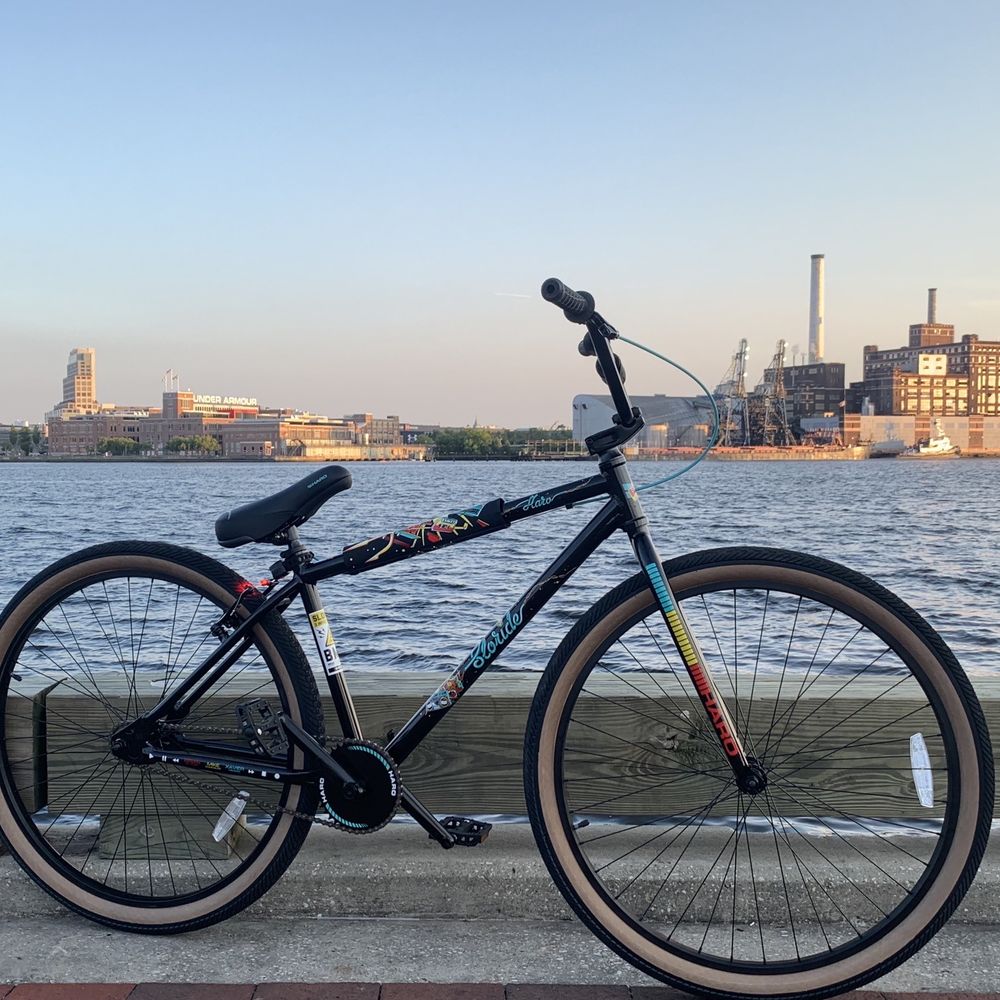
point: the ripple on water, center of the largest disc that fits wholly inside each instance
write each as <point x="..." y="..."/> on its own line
<point x="916" y="527"/>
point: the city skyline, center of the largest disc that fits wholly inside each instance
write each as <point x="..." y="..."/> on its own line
<point x="136" y="398"/>
<point x="352" y="209"/>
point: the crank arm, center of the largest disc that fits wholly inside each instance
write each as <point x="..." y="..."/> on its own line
<point x="426" y="819"/>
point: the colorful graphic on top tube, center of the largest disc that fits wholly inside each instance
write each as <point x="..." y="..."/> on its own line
<point x="426" y="535"/>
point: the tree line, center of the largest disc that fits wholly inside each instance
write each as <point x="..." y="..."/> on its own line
<point x="487" y="442"/>
<point x="195" y="444"/>
<point x="25" y="440"/>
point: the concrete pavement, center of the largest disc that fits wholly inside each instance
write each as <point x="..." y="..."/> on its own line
<point x="396" y="909"/>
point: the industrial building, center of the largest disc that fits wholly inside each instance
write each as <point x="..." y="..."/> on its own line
<point x="813" y="390"/>
<point x="933" y="376"/>
<point x="671" y="421"/>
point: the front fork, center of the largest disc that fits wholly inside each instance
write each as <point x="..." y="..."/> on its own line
<point x="747" y="771"/>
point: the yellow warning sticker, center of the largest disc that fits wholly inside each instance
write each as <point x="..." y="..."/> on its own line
<point x="325" y="642"/>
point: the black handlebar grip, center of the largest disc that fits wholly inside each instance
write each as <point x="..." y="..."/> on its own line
<point x="577" y="307"/>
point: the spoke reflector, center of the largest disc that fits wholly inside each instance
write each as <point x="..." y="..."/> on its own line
<point x="229" y="816"/>
<point x="923" y="776"/>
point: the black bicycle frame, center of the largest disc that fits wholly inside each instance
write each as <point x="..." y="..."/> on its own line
<point x="621" y="511"/>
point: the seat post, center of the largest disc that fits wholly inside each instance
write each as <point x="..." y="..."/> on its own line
<point x="298" y="556"/>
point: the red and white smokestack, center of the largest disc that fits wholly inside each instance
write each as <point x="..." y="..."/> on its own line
<point x="931" y="305"/>
<point x="816" y="308"/>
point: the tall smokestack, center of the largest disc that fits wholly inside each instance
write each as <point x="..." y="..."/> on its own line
<point x="931" y="305"/>
<point x="816" y="309"/>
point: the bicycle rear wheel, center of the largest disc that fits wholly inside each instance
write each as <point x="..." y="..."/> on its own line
<point x="88" y="645"/>
<point x="879" y="778"/>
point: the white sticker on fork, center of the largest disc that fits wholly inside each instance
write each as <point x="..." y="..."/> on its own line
<point x="325" y="643"/>
<point x="923" y="776"/>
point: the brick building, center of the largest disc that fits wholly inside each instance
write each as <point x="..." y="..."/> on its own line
<point x="933" y="374"/>
<point x="967" y="380"/>
<point x="242" y="428"/>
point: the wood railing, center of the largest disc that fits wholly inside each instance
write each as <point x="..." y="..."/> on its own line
<point x="472" y="763"/>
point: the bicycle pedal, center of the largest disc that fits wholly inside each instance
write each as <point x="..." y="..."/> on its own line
<point x="467" y="832"/>
<point x="262" y="728"/>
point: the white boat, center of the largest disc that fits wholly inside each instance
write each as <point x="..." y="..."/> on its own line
<point x="938" y="445"/>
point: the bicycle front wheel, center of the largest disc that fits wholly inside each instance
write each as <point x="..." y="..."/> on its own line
<point x="879" y="791"/>
<point x="87" y="646"/>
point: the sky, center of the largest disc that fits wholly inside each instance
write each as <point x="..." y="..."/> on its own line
<point x="350" y="207"/>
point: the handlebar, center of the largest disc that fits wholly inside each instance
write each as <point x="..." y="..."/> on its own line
<point x="579" y="307"/>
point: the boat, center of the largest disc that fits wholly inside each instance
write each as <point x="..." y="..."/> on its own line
<point x="889" y="448"/>
<point x="938" y="445"/>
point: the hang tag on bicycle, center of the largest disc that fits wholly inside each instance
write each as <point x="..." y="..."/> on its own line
<point x="325" y="643"/>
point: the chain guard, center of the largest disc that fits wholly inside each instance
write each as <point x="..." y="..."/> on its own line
<point x="376" y="771"/>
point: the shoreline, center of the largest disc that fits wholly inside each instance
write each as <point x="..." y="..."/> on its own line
<point x="743" y="455"/>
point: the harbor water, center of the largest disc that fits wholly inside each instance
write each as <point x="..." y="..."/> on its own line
<point x="927" y="530"/>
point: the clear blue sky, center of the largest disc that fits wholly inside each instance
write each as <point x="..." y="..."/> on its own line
<point x="316" y="203"/>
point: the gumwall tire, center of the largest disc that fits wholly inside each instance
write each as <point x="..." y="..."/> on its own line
<point x="964" y="839"/>
<point x="291" y="675"/>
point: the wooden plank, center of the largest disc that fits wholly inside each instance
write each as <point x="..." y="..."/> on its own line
<point x="472" y="762"/>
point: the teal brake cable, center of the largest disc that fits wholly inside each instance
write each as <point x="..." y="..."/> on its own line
<point x="713" y="437"/>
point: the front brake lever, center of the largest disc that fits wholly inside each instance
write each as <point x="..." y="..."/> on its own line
<point x="618" y="364"/>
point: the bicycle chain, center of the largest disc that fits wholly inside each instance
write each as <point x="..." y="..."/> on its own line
<point x="208" y="786"/>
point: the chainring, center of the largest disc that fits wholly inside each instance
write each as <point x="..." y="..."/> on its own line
<point x="376" y="771"/>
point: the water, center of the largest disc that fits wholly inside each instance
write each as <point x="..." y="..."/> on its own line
<point x="927" y="530"/>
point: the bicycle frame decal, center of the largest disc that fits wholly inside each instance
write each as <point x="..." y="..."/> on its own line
<point x="670" y="613"/>
<point x="323" y="637"/>
<point x="435" y="532"/>
<point x="685" y="646"/>
<point x="486" y="651"/>
<point x="537" y="502"/>
<point x="478" y="660"/>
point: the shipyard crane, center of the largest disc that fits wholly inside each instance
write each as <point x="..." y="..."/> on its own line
<point x="769" y="416"/>
<point x="731" y="396"/>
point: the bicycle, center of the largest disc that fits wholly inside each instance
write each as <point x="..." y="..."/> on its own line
<point x="792" y="815"/>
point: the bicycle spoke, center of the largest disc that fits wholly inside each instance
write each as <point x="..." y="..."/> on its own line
<point x="824" y="856"/>
<point x="124" y="828"/>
